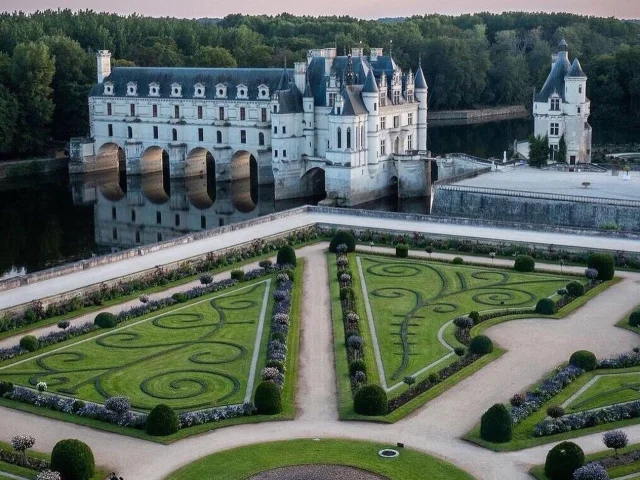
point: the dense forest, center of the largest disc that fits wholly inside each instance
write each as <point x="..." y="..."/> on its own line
<point x="47" y="59"/>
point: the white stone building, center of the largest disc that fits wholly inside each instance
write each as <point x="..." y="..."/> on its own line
<point x="354" y="126"/>
<point x="562" y="108"/>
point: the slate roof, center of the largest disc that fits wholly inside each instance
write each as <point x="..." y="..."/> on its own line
<point x="420" y="81"/>
<point x="576" y="70"/>
<point x="353" y="101"/>
<point x="188" y="77"/>
<point x="370" y="85"/>
<point x="555" y="80"/>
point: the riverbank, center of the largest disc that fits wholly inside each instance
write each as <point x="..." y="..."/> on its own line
<point x="35" y="166"/>
<point x="463" y="117"/>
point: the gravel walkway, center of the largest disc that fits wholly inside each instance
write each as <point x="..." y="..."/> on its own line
<point x="316" y="472"/>
<point x="534" y="346"/>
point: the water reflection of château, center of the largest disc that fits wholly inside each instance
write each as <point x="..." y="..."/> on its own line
<point x="138" y="210"/>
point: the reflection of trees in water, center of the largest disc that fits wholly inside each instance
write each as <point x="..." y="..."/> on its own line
<point x="42" y="226"/>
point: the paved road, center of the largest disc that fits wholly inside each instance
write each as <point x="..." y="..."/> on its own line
<point x="53" y="286"/>
<point x="534" y="347"/>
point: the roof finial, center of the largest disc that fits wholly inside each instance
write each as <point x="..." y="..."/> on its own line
<point x="390" y="47"/>
<point x="420" y="60"/>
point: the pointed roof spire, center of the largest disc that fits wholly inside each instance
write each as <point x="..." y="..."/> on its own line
<point x="284" y="79"/>
<point x="576" y="70"/>
<point x="420" y="81"/>
<point x="350" y="75"/>
<point x="307" y="88"/>
<point x="370" y="85"/>
<point x="564" y="46"/>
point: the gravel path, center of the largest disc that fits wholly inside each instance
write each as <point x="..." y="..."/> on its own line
<point x="534" y="346"/>
<point x="316" y="472"/>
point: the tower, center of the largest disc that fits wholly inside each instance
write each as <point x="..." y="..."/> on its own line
<point x="422" y="91"/>
<point x="370" y="97"/>
<point x="103" y="58"/>
<point x="308" y="106"/>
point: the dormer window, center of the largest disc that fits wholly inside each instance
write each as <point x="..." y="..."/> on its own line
<point x="242" y="91"/>
<point x="263" y="92"/>
<point x="221" y="90"/>
<point x="154" y="89"/>
<point x="409" y="95"/>
<point x="198" y="90"/>
<point x="176" y="90"/>
<point x="555" y="104"/>
<point x="132" y="89"/>
<point x="108" y="88"/>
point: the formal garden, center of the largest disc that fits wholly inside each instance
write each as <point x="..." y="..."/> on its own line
<point x="413" y="327"/>
<point x="216" y="354"/>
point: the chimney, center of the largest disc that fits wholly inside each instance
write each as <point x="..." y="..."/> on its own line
<point x="375" y="53"/>
<point x="300" y="75"/>
<point x="104" y="64"/>
<point x="357" y="51"/>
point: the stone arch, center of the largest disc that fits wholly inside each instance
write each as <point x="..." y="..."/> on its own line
<point x="312" y="182"/>
<point x="113" y="154"/>
<point x="200" y="164"/>
<point x="394" y="187"/>
<point x="154" y="159"/>
<point x="244" y="165"/>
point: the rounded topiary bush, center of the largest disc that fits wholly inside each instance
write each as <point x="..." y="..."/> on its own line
<point x="371" y="400"/>
<point x="402" y="250"/>
<point x="575" y="289"/>
<point x="180" y="297"/>
<point x="603" y="262"/>
<point x="356" y="366"/>
<point x="496" y="425"/>
<point x="29" y="343"/>
<point x="277" y="364"/>
<point x="286" y="256"/>
<point x="562" y="460"/>
<point x="73" y="459"/>
<point x="546" y="306"/>
<point x="457" y="261"/>
<point x="481" y="345"/>
<point x="634" y="319"/>
<point x="268" y="400"/>
<point x="162" y="420"/>
<point x="105" y="320"/>
<point x="584" y="359"/>
<point x="524" y="263"/>
<point x="340" y="238"/>
<point x="237" y="275"/>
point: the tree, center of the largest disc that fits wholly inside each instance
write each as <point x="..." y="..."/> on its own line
<point x="538" y="151"/>
<point x="9" y="114"/>
<point x="615" y="439"/>
<point x="562" y="150"/>
<point x="213" y="57"/>
<point x="32" y="70"/>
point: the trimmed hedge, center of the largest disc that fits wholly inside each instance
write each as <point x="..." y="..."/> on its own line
<point x="634" y="319"/>
<point x="457" y="261"/>
<point x="73" y="459"/>
<point x="496" y="425"/>
<point x="402" y="250"/>
<point x="604" y="263"/>
<point x="546" y="306"/>
<point x="180" y="297"/>
<point x="105" y="320"/>
<point x="524" y="263"/>
<point x="343" y="237"/>
<point x="237" y="275"/>
<point x="287" y="256"/>
<point x="267" y="399"/>
<point x="371" y="400"/>
<point x="575" y="289"/>
<point x="357" y="366"/>
<point x="29" y="343"/>
<point x="481" y="345"/>
<point x="585" y="360"/>
<point x="162" y="420"/>
<point x="562" y="460"/>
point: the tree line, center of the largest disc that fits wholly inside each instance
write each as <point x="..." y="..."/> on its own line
<point x="47" y="59"/>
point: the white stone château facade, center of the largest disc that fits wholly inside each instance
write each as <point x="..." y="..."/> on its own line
<point x="354" y="126"/>
<point x="562" y="108"/>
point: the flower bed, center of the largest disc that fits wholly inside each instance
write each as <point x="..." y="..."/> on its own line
<point x="17" y="458"/>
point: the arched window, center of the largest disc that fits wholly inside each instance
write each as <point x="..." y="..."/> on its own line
<point x="339" y="137"/>
<point x="129" y="132"/>
<point x="261" y="138"/>
<point x="174" y="134"/>
<point x="219" y="136"/>
<point x="348" y="137"/>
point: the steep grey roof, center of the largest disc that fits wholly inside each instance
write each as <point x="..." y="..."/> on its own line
<point x="307" y="90"/>
<point x="290" y="99"/>
<point x="420" y="81"/>
<point x="188" y="77"/>
<point x="284" y="80"/>
<point x="576" y="70"/>
<point x="353" y="101"/>
<point x="555" y="80"/>
<point x="563" y="45"/>
<point x="370" y="85"/>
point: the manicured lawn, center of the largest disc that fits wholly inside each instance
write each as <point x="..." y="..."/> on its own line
<point x="240" y="463"/>
<point x="194" y="357"/>
<point x="608" y="389"/>
<point x="411" y="301"/>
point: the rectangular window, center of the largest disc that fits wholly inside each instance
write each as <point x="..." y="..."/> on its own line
<point x="159" y="217"/>
<point x="203" y="221"/>
<point x="579" y="109"/>
<point x="554" y="130"/>
<point x="409" y="118"/>
<point x="200" y="112"/>
<point x="114" y="213"/>
<point x="110" y="130"/>
<point x="243" y="136"/>
<point x="133" y="215"/>
<point x="220" y="113"/>
<point x="284" y="153"/>
<point x="579" y="88"/>
<point x="176" y="111"/>
<point x="132" y="109"/>
<point x="200" y="134"/>
<point x="383" y="123"/>
<point x="137" y="236"/>
<point x="375" y="106"/>
<point x="396" y="121"/>
<point x="275" y="109"/>
<point x="383" y="147"/>
<point x="383" y="99"/>
<point x="275" y="154"/>
<point x="410" y="142"/>
<point x="114" y="233"/>
<point x="109" y="112"/>
<point x="155" y="132"/>
<point x="159" y="237"/>
<point x="284" y="129"/>
<point x="264" y="114"/>
<point x="396" y="97"/>
<point x="409" y="95"/>
<point x="243" y="113"/>
<point x="177" y="219"/>
<point x="155" y="110"/>
<point x="555" y="104"/>
<point x="332" y="99"/>
<point x="275" y="129"/>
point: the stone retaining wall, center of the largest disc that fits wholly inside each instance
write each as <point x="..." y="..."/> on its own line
<point x="447" y="115"/>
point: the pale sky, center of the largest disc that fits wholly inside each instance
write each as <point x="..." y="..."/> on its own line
<point x="357" y="8"/>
